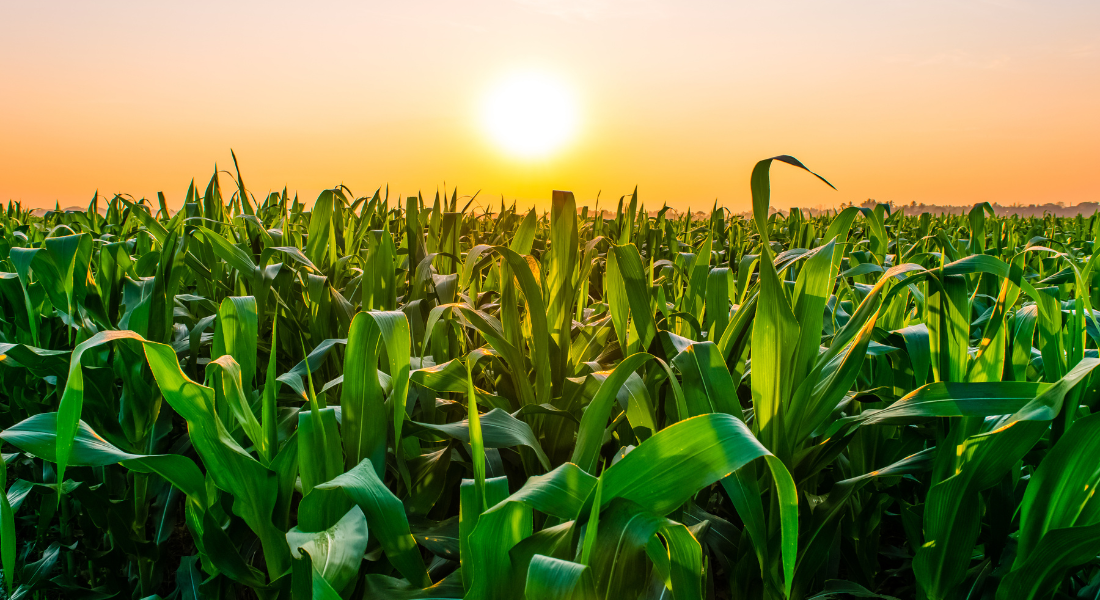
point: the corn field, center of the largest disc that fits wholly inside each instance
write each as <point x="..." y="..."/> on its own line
<point x="360" y="398"/>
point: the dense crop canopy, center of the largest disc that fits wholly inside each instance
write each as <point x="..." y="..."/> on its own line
<point x="365" y="399"/>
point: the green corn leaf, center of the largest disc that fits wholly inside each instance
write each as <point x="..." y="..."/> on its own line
<point x="372" y="336"/>
<point x="559" y="280"/>
<point x="592" y="530"/>
<point x="1059" y="519"/>
<point x="619" y="552"/>
<point x="629" y="298"/>
<point x="338" y="549"/>
<point x="308" y="582"/>
<point x="476" y="440"/>
<point x="236" y="335"/>
<point x="321" y="240"/>
<point x="553" y="579"/>
<point x="383" y="512"/>
<point x="685" y="560"/>
<point x="484" y="558"/>
<point x="670" y="467"/>
<point x="7" y="531"/>
<point x="497" y="429"/>
<point x="707" y="383"/>
<point x="594" y="420"/>
<point x="37" y="435"/>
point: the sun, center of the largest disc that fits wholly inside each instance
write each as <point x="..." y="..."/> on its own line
<point x="530" y="115"/>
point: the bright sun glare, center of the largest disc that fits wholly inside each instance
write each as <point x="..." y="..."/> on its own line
<point x="530" y="115"/>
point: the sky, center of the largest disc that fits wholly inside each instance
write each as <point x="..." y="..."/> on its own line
<point x="922" y="101"/>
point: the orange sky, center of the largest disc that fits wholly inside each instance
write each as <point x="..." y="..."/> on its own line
<point x="934" y="101"/>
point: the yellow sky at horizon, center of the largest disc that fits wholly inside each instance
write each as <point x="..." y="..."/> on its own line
<point x="936" y="102"/>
